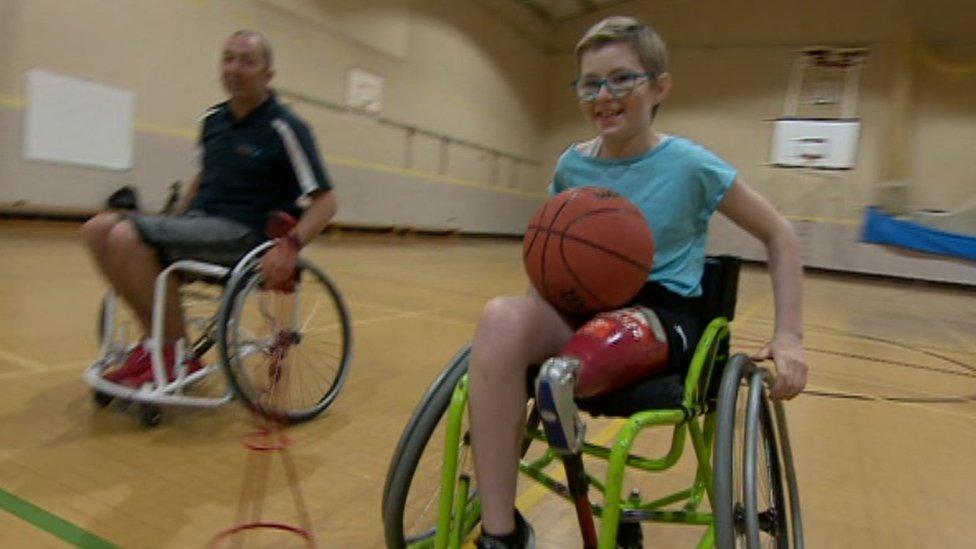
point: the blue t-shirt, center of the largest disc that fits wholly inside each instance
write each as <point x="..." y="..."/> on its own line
<point x="677" y="185"/>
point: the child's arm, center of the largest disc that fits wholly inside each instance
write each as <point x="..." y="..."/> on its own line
<point x="756" y="215"/>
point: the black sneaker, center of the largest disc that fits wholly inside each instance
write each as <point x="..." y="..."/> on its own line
<point x="522" y="538"/>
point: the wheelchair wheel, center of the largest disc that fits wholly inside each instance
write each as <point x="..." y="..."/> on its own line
<point x="752" y="471"/>
<point x="413" y="482"/>
<point x="286" y="354"/>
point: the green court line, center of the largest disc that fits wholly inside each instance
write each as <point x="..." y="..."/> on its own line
<point x="51" y="524"/>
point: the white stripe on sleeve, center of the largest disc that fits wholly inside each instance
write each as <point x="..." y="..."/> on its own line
<point x="303" y="171"/>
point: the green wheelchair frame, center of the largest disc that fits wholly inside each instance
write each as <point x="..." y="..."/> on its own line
<point x="727" y="477"/>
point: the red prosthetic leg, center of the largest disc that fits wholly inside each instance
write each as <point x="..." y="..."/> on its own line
<point x="611" y="351"/>
<point x="617" y="348"/>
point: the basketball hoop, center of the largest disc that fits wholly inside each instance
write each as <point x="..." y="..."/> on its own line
<point x="834" y="58"/>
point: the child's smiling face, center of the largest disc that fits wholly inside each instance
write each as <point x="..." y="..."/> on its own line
<point x="618" y="118"/>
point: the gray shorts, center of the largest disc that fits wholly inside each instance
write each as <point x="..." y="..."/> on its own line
<point x="195" y="235"/>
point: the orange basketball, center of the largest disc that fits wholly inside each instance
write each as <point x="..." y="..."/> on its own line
<point x="588" y="249"/>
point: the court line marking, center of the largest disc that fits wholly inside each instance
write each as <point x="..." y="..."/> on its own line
<point x="21" y="361"/>
<point x="868" y="397"/>
<point x="398" y="316"/>
<point x="844" y="333"/>
<point x="965" y="344"/>
<point x="51" y="523"/>
<point x="77" y="365"/>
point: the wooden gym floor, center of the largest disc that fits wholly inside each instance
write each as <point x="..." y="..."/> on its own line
<point x="884" y="442"/>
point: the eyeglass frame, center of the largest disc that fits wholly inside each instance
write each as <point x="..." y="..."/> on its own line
<point x="605" y="83"/>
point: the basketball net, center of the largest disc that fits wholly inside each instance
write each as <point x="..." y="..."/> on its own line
<point x="824" y="83"/>
<point x="268" y="439"/>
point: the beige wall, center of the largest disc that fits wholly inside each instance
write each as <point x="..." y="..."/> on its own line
<point x="450" y="69"/>
<point x="944" y="130"/>
<point x="731" y="63"/>
<point x="474" y="71"/>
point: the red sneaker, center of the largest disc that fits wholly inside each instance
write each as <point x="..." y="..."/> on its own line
<point x="136" y="363"/>
<point x="169" y="351"/>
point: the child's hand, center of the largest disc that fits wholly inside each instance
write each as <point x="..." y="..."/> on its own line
<point x="278" y="265"/>
<point x="786" y="350"/>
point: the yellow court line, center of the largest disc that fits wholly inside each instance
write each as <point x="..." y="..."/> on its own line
<point x="12" y="102"/>
<point x="825" y="220"/>
<point x="21" y="361"/>
<point x="765" y="302"/>
<point x="426" y="176"/>
<point x="75" y="366"/>
<point x="454" y="321"/>
<point x="399" y="316"/>
<point x="964" y="342"/>
<point x="168" y="131"/>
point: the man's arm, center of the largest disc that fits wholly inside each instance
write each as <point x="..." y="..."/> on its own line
<point x="278" y="265"/>
<point x="316" y="217"/>
<point x="188" y="195"/>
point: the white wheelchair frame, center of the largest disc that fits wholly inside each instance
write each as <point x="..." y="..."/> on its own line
<point x="161" y="391"/>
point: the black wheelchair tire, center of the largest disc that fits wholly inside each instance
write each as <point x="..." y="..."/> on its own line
<point x="415" y="438"/>
<point x="729" y="521"/>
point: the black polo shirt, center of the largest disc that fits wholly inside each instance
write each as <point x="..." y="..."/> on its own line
<point x="250" y="167"/>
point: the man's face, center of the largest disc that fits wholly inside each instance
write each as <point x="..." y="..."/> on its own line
<point x="244" y="70"/>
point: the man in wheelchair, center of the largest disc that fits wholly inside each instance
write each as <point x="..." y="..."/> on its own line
<point x="257" y="157"/>
<point x="678" y="185"/>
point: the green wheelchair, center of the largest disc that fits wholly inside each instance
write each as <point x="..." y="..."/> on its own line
<point x="739" y="437"/>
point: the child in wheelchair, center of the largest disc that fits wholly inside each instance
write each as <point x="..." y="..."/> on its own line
<point x="678" y="185"/>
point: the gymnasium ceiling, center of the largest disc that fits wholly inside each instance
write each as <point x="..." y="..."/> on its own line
<point x="564" y="10"/>
<point x="556" y="24"/>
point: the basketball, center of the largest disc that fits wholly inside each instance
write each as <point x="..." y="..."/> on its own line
<point x="588" y="249"/>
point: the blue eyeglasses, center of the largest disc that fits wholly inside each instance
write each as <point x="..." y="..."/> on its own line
<point x="618" y="84"/>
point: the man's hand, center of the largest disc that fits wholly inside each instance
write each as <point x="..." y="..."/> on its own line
<point x="278" y="265"/>
<point x="789" y="360"/>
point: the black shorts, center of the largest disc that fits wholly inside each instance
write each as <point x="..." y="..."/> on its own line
<point x="681" y="317"/>
<point x="197" y="236"/>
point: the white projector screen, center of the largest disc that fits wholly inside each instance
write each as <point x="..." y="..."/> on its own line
<point x="74" y="121"/>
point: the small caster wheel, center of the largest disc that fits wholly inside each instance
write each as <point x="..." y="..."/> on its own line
<point x="630" y="536"/>
<point x="102" y="399"/>
<point x="150" y="416"/>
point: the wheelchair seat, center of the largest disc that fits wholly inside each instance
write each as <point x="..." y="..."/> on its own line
<point x="657" y="392"/>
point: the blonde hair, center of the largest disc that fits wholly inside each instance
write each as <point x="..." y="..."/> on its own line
<point x="615" y="29"/>
<point x="620" y="29"/>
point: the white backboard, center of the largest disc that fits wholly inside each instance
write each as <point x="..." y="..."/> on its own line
<point x="827" y="144"/>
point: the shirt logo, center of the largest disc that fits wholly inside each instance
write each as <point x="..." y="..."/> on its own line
<point x="684" y="338"/>
<point x="247" y="151"/>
